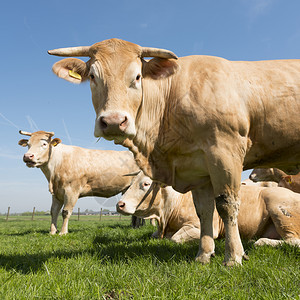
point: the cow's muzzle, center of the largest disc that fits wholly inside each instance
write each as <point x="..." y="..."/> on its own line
<point x="113" y="124"/>
<point x="29" y="159"/>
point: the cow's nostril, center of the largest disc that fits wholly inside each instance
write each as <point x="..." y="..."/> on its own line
<point x="121" y="204"/>
<point x="103" y="123"/>
<point x="124" y="122"/>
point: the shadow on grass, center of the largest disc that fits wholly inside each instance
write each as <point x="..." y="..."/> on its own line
<point x="114" y="247"/>
<point x="31" y="231"/>
<point x="31" y="263"/>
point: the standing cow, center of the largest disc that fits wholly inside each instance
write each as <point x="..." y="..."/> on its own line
<point x="74" y="172"/>
<point x="195" y="122"/>
<point x="266" y="213"/>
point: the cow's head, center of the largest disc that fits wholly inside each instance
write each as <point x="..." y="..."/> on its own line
<point x="140" y="198"/>
<point x="116" y="70"/>
<point x="262" y="175"/>
<point x="39" y="147"/>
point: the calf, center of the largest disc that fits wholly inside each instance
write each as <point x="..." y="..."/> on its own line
<point x="291" y="182"/>
<point x="268" y="213"/>
<point x="74" y="172"/>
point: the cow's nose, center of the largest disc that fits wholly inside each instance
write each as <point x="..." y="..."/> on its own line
<point x="113" y="124"/>
<point x="121" y="205"/>
<point x="28" y="157"/>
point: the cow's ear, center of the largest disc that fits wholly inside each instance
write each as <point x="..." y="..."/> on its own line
<point x="55" y="142"/>
<point x="23" y="143"/>
<point x="288" y="179"/>
<point x="71" y="69"/>
<point x="158" y="68"/>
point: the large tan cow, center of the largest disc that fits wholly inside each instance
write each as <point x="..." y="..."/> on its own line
<point x="74" y="172"/>
<point x="266" y="213"/>
<point x="195" y="122"/>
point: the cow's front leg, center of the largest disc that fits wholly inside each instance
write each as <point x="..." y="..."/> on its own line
<point x="204" y="204"/>
<point x="69" y="203"/>
<point x="225" y="168"/>
<point x="55" y="209"/>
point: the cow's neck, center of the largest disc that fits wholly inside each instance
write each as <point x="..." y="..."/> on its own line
<point x="278" y="174"/>
<point x="149" y="123"/>
<point x="54" y="158"/>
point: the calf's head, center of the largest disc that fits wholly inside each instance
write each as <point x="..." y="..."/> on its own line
<point x="141" y="197"/>
<point x="116" y="70"/>
<point x="39" y="147"/>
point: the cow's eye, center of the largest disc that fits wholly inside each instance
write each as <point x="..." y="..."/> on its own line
<point x="146" y="184"/>
<point x="138" y="77"/>
<point x="92" y="76"/>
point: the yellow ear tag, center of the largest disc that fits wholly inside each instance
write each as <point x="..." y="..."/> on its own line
<point x="74" y="75"/>
<point x="289" y="180"/>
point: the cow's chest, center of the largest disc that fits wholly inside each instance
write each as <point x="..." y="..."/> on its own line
<point x="183" y="172"/>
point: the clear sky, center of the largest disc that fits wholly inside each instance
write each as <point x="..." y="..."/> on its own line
<point x="33" y="98"/>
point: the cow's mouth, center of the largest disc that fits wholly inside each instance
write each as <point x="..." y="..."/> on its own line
<point x="31" y="164"/>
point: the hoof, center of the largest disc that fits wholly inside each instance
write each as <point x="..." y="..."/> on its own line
<point x="62" y="233"/>
<point x="233" y="262"/>
<point x="245" y="257"/>
<point x="204" y="258"/>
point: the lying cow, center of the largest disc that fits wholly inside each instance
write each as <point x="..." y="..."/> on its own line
<point x="195" y="122"/>
<point x="291" y="182"/>
<point x="267" y="213"/>
<point x="74" y="172"/>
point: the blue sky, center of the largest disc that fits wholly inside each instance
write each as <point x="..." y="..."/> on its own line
<point x="33" y="98"/>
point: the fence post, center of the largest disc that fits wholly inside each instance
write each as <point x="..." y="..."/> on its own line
<point x="78" y="213"/>
<point x="100" y="213"/>
<point x="33" y="214"/>
<point x="7" y="213"/>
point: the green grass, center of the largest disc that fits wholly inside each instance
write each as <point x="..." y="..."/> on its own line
<point x="110" y="260"/>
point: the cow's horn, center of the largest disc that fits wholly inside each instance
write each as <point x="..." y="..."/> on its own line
<point x="71" y="51"/>
<point x="51" y="133"/>
<point x="132" y="174"/>
<point x="25" y="132"/>
<point x="155" y="52"/>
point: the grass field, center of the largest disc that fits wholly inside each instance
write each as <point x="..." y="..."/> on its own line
<point x="110" y="260"/>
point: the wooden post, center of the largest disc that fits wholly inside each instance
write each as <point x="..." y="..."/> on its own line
<point x="101" y="214"/>
<point x="78" y="213"/>
<point x="7" y="213"/>
<point x="33" y="214"/>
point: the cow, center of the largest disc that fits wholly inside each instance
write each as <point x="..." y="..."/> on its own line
<point x="194" y="123"/>
<point x="270" y="214"/>
<point x="74" y="172"/>
<point x="291" y="182"/>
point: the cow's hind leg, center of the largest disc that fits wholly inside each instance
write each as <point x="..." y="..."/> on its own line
<point x="55" y="209"/>
<point x="186" y="233"/>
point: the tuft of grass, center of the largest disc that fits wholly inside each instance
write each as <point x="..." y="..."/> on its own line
<point x="110" y="260"/>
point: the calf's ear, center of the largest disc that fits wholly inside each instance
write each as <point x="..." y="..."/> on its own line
<point x="288" y="179"/>
<point x="23" y="142"/>
<point x="158" y="68"/>
<point x="71" y="69"/>
<point x="55" y="142"/>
